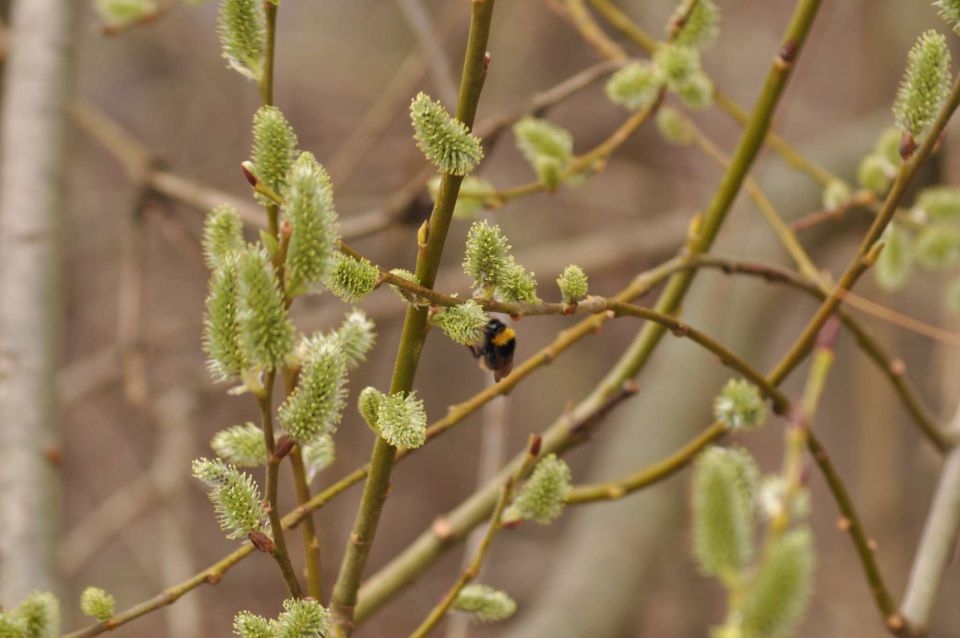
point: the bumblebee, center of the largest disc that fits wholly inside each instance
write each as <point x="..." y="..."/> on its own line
<point x="495" y="351"/>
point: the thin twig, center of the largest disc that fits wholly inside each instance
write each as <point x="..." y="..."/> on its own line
<point x="809" y="270"/>
<point x="279" y="550"/>
<point x="633" y="32"/>
<point x="473" y="568"/>
<point x="432" y="238"/>
<point x="456" y="414"/>
<point x="419" y="20"/>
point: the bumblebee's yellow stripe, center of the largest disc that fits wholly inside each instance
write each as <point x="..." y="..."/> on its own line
<point x="505" y="337"/>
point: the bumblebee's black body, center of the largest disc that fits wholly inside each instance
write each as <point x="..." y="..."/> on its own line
<point x="495" y="352"/>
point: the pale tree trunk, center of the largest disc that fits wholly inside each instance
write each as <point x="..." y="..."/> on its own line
<point x="36" y="87"/>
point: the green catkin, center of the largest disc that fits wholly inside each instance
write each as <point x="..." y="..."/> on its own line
<point x="356" y="336"/>
<point x="939" y="203"/>
<point x="401" y="420"/>
<point x="11" y="626"/>
<point x="740" y="406"/>
<point x="97" y="603"/>
<point x="484" y="603"/>
<point x="39" y="615"/>
<point x="266" y="333"/>
<point x="404" y="294"/>
<point x="117" y="14"/>
<point x="315" y="229"/>
<point x="221" y="323"/>
<point x="368" y="403"/>
<point x="925" y="84"/>
<point x="573" y="284"/>
<point x="546" y="146"/>
<point x="702" y="26"/>
<point x="778" y="596"/>
<point x="304" y="618"/>
<point x="636" y="85"/>
<point x="696" y="92"/>
<point x="937" y="246"/>
<point x="895" y="262"/>
<point x="241" y="445"/>
<point x="446" y="142"/>
<point x="517" y="285"/>
<point x="723" y="487"/>
<point x="875" y="172"/>
<point x="352" y="279"/>
<point x="315" y="407"/>
<point x="274" y="148"/>
<point x="543" y="496"/>
<point x="463" y="323"/>
<point x="235" y="497"/>
<point x="486" y="255"/>
<point x="476" y="194"/>
<point x="240" y="26"/>
<point x="318" y="455"/>
<point x="673" y="127"/>
<point x="949" y="10"/>
<point x="678" y="64"/>
<point x="888" y="145"/>
<point x="222" y="235"/>
<point x="835" y="194"/>
<point x="773" y="496"/>
<point x="250" y="625"/>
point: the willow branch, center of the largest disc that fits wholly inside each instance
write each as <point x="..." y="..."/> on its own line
<point x="418" y="19"/>
<point x="892" y="369"/>
<point x="869" y="246"/>
<point x="427" y="548"/>
<point x="432" y="238"/>
<point x="279" y="549"/>
<point x="144" y="167"/>
<point x="594" y="160"/>
<point x="851" y="523"/>
<point x="456" y="414"/>
<point x="493" y="528"/>
<point x="633" y="32"/>
<point x="311" y="543"/>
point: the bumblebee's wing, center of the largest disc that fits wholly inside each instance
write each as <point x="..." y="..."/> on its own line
<point x="505" y="368"/>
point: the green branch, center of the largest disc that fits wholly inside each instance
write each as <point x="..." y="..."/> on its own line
<point x="414" y="333"/>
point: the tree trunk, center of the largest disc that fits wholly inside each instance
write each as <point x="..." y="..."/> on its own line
<point x="36" y="89"/>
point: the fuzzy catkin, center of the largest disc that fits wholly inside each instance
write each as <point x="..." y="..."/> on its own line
<point x="240" y="25"/>
<point x="315" y="407"/>
<point x="235" y="497"/>
<point x="724" y="482"/>
<point x="241" y="445"/>
<point x="266" y="333"/>
<point x="314" y="225"/>
<point x="221" y="323"/>
<point x="446" y="142"/>
<point x="925" y="84"/>
<point x="274" y="148"/>
<point x="542" y="498"/>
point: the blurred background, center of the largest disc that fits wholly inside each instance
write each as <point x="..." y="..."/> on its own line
<point x="136" y="404"/>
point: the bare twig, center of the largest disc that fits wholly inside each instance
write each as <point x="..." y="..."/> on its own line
<point x="420" y="22"/>
<point x="472" y="569"/>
